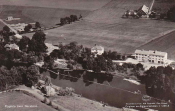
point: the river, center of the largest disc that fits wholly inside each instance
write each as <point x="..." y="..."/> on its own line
<point x="116" y="93"/>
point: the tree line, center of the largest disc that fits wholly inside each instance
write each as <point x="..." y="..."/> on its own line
<point x="160" y="83"/>
<point x="70" y="19"/>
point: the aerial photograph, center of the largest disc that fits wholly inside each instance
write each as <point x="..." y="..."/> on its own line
<point x="87" y="55"/>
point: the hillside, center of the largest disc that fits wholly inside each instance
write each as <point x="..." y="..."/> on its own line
<point x="65" y="4"/>
<point x="106" y="27"/>
<point x="16" y="99"/>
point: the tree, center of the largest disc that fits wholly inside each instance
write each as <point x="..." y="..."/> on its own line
<point x="168" y="71"/>
<point x="62" y="21"/>
<point x="89" y="63"/>
<point x="32" y="75"/>
<point x="73" y="18"/>
<point x="23" y="43"/>
<point x="6" y="29"/>
<point x="37" y="43"/>
<point x="113" y="55"/>
<point x="27" y="28"/>
<point x="6" y="33"/>
<point x="37" y="25"/>
<point x="171" y="14"/>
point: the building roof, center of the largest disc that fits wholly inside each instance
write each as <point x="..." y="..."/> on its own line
<point x="97" y="47"/>
<point x="50" y="47"/>
<point x="144" y="8"/>
<point x="151" y="52"/>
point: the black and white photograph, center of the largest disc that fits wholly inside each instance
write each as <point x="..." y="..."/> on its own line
<point x="87" y="55"/>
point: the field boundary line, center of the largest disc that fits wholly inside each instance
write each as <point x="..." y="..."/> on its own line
<point x="162" y="35"/>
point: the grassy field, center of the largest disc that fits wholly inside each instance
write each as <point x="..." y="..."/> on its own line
<point x="65" y="4"/>
<point x="76" y="103"/>
<point x="106" y="27"/>
<point x="20" y="99"/>
<point x="46" y="16"/>
<point x="165" y="43"/>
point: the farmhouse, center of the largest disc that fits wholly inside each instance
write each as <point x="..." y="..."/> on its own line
<point x="98" y="50"/>
<point x="143" y="10"/>
<point x="10" y="18"/>
<point x="151" y="56"/>
<point x="18" y="27"/>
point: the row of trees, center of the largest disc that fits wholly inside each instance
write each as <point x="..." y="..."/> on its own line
<point x="29" y="27"/>
<point x="68" y="20"/>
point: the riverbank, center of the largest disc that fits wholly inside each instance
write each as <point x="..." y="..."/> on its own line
<point x="78" y="103"/>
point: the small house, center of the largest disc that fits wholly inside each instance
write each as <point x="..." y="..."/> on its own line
<point x="9" y="18"/>
<point x="97" y="50"/>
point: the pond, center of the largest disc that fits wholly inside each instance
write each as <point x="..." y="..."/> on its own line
<point x="114" y="91"/>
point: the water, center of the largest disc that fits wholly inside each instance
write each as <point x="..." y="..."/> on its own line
<point x="115" y="92"/>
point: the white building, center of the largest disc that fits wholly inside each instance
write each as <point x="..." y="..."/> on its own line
<point x="50" y="48"/>
<point x="143" y="10"/>
<point x="99" y="50"/>
<point x="18" y="27"/>
<point x="10" y="18"/>
<point x="151" y="56"/>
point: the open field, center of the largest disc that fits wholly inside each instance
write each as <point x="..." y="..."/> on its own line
<point x="82" y="104"/>
<point x="66" y="4"/>
<point x="106" y="27"/>
<point x="165" y="43"/>
<point x="20" y="99"/>
<point x="46" y="16"/>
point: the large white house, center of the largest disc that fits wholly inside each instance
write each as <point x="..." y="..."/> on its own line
<point x="98" y="50"/>
<point x="151" y="56"/>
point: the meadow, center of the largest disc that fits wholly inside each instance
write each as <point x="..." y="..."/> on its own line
<point x="19" y="99"/>
<point x="46" y="16"/>
<point x="106" y="27"/>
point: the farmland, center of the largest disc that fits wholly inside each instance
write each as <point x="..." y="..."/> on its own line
<point x="20" y="99"/>
<point x="103" y="26"/>
<point x="46" y="16"/>
<point x="106" y="27"/>
<point x="64" y="4"/>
